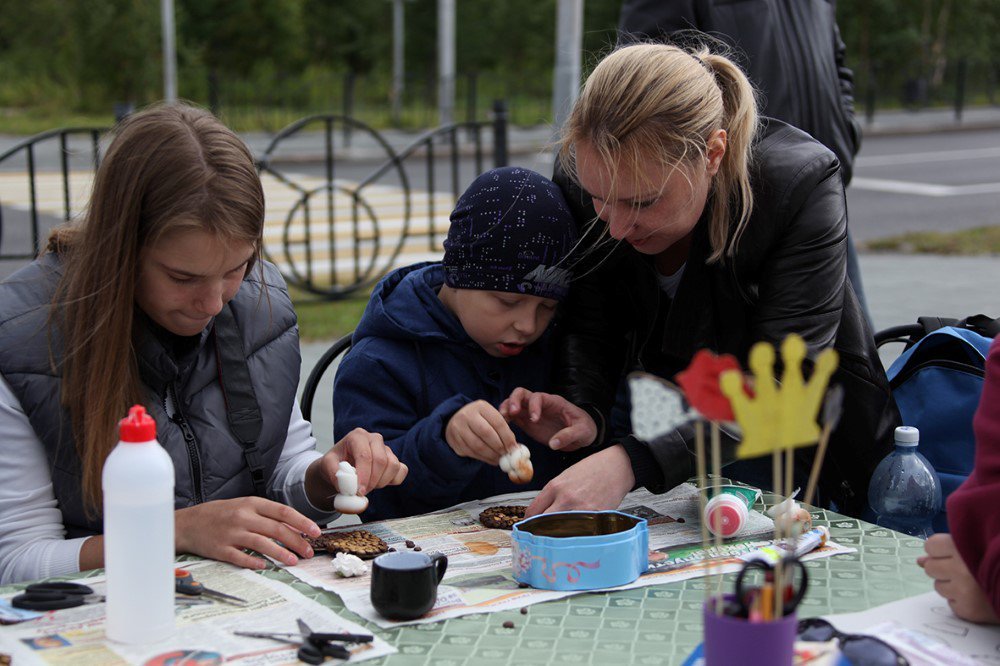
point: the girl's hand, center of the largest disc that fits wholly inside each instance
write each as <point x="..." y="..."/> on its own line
<point x="550" y="419"/>
<point x="222" y="529"/>
<point x="375" y="464"/>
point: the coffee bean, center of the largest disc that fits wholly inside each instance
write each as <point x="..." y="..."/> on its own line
<point x="417" y="548"/>
<point x="524" y="610"/>
<point x="680" y="520"/>
<point x="409" y="544"/>
<point x="508" y="625"/>
<point x="523" y="585"/>
<point x="392" y="550"/>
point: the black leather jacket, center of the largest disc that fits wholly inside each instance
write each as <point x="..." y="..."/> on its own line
<point x="790" y="49"/>
<point x="788" y="275"/>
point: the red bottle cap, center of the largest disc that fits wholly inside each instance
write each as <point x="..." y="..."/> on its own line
<point x="725" y="519"/>
<point x="138" y="426"/>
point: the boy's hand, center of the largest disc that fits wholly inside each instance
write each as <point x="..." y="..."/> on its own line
<point x="550" y="419"/>
<point x="479" y="431"/>
<point x="954" y="581"/>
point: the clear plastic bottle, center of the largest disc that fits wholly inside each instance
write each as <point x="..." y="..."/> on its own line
<point x="138" y="484"/>
<point x="905" y="491"/>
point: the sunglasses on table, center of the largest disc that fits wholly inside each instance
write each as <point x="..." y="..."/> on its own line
<point x="860" y="649"/>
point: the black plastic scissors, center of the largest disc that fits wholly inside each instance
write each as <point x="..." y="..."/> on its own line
<point x="794" y="583"/>
<point x="314" y="647"/>
<point x="53" y="596"/>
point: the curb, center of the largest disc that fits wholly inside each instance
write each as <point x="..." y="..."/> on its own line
<point x="931" y="128"/>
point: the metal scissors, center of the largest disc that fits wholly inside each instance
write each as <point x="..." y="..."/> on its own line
<point x="186" y="584"/>
<point x="314" y="647"/>
<point x="54" y="596"/>
<point x="794" y="581"/>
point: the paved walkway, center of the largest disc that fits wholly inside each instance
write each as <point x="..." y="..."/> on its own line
<point x="899" y="288"/>
<point x="526" y="140"/>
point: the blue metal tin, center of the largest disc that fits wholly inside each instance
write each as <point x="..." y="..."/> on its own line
<point x="580" y="550"/>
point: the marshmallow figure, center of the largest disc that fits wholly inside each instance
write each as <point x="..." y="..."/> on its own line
<point x="517" y="464"/>
<point x="346" y="565"/>
<point x="347" y="499"/>
<point x="790" y="518"/>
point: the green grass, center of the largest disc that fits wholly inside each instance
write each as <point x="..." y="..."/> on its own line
<point x="327" y="320"/>
<point x="27" y="122"/>
<point x="976" y="241"/>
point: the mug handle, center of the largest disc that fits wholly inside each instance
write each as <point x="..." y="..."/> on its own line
<point x="440" y="562"/>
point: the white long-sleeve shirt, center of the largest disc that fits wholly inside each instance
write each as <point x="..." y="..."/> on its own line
<point x="33" y="541"/>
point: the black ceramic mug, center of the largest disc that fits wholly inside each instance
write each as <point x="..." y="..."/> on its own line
<point x="404" y="584"/>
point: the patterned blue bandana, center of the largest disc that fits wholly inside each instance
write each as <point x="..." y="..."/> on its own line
<point x="511" y="231"/>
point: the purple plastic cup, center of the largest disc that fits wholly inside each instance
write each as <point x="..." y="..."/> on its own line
<point x="735" y="640"/>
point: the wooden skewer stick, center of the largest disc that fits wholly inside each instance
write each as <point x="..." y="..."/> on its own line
<point x="699" y="453"/>
<point x="832" y="409"/>
<point x="717" y="473"/>
<point x="786" y="522"/>
<point x="777" y="481"/>
<point x="824" y="440"/>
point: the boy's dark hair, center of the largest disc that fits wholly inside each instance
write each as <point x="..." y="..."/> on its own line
<point x="511" y="231"/>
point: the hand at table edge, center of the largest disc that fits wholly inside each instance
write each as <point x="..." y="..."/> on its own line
<point x="954" y="581"/>
<point x="599" y="482"/>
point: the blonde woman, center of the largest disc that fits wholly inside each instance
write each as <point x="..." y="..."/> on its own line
<point x="159" y="296"/>
<point x="707" y="227"/>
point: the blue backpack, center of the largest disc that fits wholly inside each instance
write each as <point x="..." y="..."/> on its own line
<point x="936" y="383"/>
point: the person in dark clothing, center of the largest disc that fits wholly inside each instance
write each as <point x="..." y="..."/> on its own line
<point x="792" y="52"/>
<point x="725" y="230"/>
<point x="441" y="344"/>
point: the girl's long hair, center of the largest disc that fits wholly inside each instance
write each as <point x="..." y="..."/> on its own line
<point x="168" y="169"/>
<point x="659" y="102"/>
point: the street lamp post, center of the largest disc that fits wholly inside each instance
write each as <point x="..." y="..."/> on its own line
<point x="169" y="52"/>
<point x="446" y="61"/>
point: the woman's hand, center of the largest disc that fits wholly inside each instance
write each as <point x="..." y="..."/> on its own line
<point x="550" y="419"/>
<point x="222" y="529"/>
<point x="954" y="581"/>
<point x="596" y="483"/>
<point x="481" y="432"/>
<point x="374" y="462"/>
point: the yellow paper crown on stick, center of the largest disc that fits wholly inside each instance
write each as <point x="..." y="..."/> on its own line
<point x="779" y="416"/>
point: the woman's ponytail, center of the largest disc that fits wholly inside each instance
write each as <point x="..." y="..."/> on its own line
<point x="734" y="198"/>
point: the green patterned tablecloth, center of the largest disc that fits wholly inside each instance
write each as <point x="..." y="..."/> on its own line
<point x="656" y="625"/>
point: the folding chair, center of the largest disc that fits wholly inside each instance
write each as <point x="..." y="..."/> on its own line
<point x="337" y="349"/>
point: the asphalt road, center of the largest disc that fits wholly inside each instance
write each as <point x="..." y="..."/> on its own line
<point x="929" y="182"/>
<point x="913" y="182"/>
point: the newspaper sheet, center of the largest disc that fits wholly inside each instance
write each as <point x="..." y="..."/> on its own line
<point x="480" y="578"/>
<point x="204" y="634"/>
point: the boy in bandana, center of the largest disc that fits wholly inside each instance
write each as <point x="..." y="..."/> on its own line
<point x="442" y="344"/>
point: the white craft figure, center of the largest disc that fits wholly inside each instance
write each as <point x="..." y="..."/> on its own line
<point x="347" y="499"/>
<point x="517" y="464"/>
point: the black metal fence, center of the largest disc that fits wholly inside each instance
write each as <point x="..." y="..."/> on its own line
<point x="343" y="204"/>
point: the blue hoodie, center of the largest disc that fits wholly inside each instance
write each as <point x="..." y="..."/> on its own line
<point x="410" y="368"/>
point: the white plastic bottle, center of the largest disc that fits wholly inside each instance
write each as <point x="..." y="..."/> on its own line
<point x="138" y="483"/>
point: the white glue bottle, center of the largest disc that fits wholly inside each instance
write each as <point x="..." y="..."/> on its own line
<point x="138" y="484"/>
<point x="728" y="511"/>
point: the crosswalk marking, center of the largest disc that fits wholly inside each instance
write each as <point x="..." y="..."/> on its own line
<point x="361" y="225"/>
